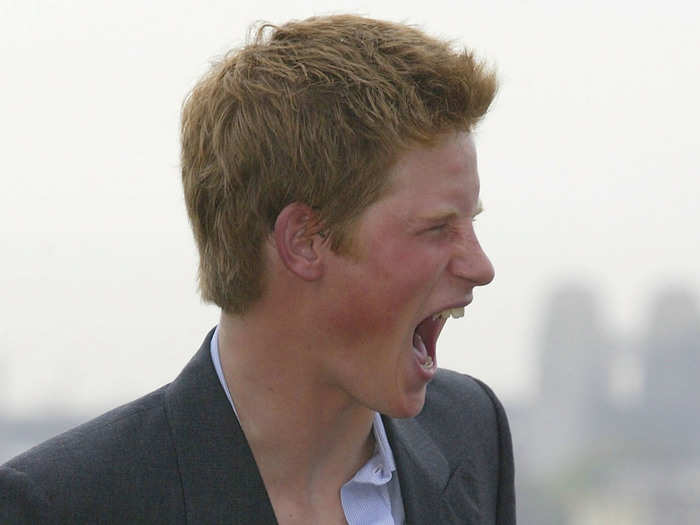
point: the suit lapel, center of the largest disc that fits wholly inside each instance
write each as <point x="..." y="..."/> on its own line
<point x="220" y="480"/>
<point x="423" y="470"/>
<point x="433" y="491"/>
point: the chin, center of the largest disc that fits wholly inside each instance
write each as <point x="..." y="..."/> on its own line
<point x="410" y="407"/>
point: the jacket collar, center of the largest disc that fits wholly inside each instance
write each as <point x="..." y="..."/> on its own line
<point x="433" y="491"/>
<point x="423" y="470"/>
<point x="220" y="480"/>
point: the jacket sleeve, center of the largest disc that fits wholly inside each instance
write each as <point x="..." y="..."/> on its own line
<point x="20" y="500"/>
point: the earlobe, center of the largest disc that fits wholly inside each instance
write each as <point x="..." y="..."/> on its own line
<point x="298" y="242"/>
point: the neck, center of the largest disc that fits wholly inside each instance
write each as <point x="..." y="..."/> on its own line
<point x="303" y="432"/>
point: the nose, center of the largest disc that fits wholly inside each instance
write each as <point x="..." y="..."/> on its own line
<point x="471" y="263"/>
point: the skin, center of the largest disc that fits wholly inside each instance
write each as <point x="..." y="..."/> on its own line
<point x="344" y="350"/>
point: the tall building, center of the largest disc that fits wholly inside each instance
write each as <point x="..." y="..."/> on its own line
<point x="574" y="348"/>
<point x="583" y="456"/>
<point x="671" y="395"/>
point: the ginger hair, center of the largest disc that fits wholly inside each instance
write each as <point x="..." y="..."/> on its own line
<point x="313" y="111"/>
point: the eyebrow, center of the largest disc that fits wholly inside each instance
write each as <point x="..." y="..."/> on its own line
<point x="449" y="215"/>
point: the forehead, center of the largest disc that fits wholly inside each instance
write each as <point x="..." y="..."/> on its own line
<point x="441" y="175"/>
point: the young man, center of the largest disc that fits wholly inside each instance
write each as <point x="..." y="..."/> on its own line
<point x="331" y="181"/>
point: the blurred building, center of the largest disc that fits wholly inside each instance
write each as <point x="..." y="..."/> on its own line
<point x="613" y="434"/>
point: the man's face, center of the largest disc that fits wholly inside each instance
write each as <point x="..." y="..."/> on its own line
<point x="415" y="255"/>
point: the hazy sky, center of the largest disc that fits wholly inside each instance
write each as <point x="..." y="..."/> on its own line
<point x="588" y="160"/>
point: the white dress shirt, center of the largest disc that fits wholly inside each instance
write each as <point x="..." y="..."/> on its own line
<point x="373" y="495"/>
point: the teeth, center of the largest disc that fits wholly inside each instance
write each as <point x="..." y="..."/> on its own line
<point x="450" y="312"/>
<point x="457" y="312"/>
<point x="428" y="363"/>
<point x="441" y="315"/>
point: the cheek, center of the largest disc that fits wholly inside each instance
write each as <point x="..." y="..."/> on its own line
<point x="411" y="275"/>
<point x="385" y="299"/>
<point x="367" y="312"/>
<point x="404" y="266"/>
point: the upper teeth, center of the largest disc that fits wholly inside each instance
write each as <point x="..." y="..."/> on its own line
<point x="450" y="312"/>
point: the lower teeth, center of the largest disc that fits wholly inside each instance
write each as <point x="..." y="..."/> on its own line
<point x="428" y="363"/>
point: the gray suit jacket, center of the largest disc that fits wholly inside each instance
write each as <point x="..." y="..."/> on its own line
<point x="178" y="455"/>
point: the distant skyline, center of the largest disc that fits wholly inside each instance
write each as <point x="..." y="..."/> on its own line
<point x="586" y="454"/>
<point x="588" y="161"/>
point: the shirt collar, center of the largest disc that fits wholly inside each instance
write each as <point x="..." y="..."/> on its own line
<point x="214" y="350"/>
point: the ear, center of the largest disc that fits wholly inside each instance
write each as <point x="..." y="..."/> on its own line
<point x="299" y="242"/>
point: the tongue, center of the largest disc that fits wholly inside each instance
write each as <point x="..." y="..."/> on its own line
<point x="419" y="348"/>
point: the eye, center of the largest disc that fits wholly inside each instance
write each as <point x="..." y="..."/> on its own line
<point x="438" y="227"/>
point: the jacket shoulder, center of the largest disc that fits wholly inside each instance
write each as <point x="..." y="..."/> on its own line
<point x="453" y="395"/>
<point x="123" y="455"/>
<point x="461" y="409"/>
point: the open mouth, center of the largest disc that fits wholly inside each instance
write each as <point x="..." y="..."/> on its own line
<point x="426" y="335"/>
